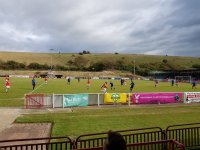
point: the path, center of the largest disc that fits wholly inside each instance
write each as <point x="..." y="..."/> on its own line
<point x="8" y="116"/>
<point x="10" y="130"/>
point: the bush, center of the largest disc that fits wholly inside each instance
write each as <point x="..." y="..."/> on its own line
<point x="97" y="67"/>
<point x="34" y="66"/>
<point x="164" y="61"/>
<point x="196" y="66"/>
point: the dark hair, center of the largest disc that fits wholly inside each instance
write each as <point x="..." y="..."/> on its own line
<point x="115" y="141"/>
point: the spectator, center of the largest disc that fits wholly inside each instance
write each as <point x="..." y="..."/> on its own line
<point x="115" y="141"/>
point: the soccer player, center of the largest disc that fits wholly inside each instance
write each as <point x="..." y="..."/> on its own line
<point x="193" y="84"/>
<point x="172" y="82"/>
<point x="6" y="77"/>
<point x="176" y="82"/>
<point x="132" y="86"/>
<point x="33" y="83"/>
<point x="78" y="78"/>
<point x="7" y="85"/>
<point x="88" y="84"/>
<point x="68" y="80"/>
<point x="112" y="85"/>
<point x="156" y="83"/>
<point x="104" y="86"/>
<point x="46" y="80"/>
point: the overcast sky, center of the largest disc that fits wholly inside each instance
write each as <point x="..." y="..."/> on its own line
<point x="156" y="27"/>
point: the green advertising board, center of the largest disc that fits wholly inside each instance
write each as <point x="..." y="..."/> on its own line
<point x="75" y="100"/>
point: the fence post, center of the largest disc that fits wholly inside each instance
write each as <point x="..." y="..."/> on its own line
<point x="184" y="97"/>
<point x="53" y="100"/>
<point x="26" y="101"/>
<point x="63" y="100"/>
<point x="98" y="103"/>
<point x="164" y="135"/>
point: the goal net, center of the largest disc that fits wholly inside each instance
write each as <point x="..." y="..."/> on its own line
<point x="184" y="78"/>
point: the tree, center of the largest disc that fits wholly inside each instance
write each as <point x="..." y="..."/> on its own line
<point x="97" y="67"/>
<point x="164" y="61"/>
<point x="80" y="61"/>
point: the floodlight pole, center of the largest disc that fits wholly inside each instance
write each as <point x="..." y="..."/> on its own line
<point x="51" y="58"/>
<point x="134" y="69"/>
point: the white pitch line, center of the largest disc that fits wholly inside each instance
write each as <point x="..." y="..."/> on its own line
<point x="37" y="87"/>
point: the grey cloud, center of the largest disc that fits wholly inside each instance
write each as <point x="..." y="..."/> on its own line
<point x="150" y="27"/>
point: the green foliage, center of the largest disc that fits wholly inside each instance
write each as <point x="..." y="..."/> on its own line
<point x="83" y="62"/>
<point x="35" y="65"/>
<point x="164" y="61"/>
<point x="196" y="66"/>
<point x="11" y="65"/>
<point x="86" y="52"/>
<point x="97" y="67"/>
<point x="60" y="68"/>
<point x="80" y="61"/>
<point x="70" y="62"/>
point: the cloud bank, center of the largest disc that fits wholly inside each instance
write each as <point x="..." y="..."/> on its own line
<point x="155" y="27"/>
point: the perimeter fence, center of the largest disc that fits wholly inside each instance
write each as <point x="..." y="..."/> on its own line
<point x="174" y="137"/>
<point x="100" y="99"/>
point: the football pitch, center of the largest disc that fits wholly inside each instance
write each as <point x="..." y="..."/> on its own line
<point x="99" y="119"/>
<point x="22" y="86"/>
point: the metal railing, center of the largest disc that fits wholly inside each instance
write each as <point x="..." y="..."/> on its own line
<point x="154" y="145"/>
<point x="130" y="136"/>
<point x="188" y="134"/>
<point x="53" y="143"/>
<point x="140" y="139"/>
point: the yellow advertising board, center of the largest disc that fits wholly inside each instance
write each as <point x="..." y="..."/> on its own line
<point x="115" y="98"/>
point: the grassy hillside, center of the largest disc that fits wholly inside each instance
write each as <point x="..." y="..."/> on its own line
<point x="152" y="62"/>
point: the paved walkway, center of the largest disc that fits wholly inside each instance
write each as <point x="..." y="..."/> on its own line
<point x="25" y="131"/>
<point x="8" y="116"/>
<point x="10" y="130"/>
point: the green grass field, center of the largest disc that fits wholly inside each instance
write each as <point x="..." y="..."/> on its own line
<point x="98" y="119"/>
<point x="20" y="86"/>
<point x="93" y="120"/>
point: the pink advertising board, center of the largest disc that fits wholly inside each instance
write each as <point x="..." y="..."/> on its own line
<point x="156" y="98"/>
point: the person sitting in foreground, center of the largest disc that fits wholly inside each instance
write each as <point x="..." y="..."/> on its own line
<point x="115" y="141"/>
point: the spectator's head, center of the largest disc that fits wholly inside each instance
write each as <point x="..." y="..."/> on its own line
<point x="115" y="141"/>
